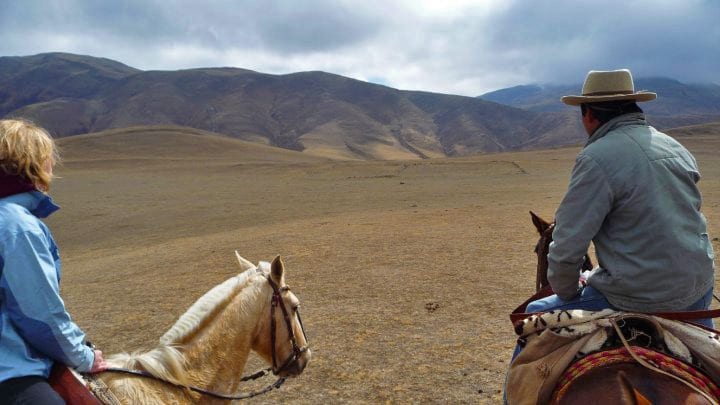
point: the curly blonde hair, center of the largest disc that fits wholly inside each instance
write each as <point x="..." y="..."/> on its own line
<point x="27" y="150"/>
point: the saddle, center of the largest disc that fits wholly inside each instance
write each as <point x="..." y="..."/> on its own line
<point x="78" y="390"/>
<point x="559" y="345"/>
<point x="71" y="387"/>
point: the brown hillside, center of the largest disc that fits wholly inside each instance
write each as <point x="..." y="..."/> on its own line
<point x="27" y="80"/>
<point x="315" y="112"/>
<point x="703" y="130"/>
<point x="702" y="140"/>
<point x="171" y="143"/>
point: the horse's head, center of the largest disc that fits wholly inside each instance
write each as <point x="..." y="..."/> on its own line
<point x="280" y="337"/>
<point x="545" y="230"/>
<point x="542" y="248"/>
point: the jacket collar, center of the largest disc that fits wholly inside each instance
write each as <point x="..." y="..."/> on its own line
<point x="617" y="122"/>
<point x="39" y="204"/>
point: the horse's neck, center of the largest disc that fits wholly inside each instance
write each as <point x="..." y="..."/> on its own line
<point x="216" y="355"/>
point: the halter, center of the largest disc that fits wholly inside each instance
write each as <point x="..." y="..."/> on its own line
<point x="297" y="351"/>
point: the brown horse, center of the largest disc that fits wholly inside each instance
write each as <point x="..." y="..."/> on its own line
<point x="623" y="383"/>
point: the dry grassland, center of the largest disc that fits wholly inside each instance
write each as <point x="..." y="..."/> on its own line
<point x="406" y="270"/>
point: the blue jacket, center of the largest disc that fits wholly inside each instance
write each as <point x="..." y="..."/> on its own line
<point x="633" y="193"/>
<point x="35" y="328"/>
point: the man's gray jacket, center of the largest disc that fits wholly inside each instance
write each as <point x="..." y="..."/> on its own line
<point x="633" y="193"/>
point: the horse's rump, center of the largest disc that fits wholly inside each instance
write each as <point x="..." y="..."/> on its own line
<point x="598" y="365"/>
<point x="628" y="383"/>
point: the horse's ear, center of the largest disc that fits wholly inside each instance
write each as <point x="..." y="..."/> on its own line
<point x="539" y="223"/>
<point x="277" y="268"/>
<point x="245" y="264"/>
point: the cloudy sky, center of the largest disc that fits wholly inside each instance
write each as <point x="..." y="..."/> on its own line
<point x="450" y="46"/>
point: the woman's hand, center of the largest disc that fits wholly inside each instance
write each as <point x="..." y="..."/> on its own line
<point x="99" y="363"/>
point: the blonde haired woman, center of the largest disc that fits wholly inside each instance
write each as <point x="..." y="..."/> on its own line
<point x="35" y="328"/>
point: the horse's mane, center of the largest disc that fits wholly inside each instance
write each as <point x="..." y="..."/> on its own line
<point x="206" y="306"/>
<point x="166" y="361"/>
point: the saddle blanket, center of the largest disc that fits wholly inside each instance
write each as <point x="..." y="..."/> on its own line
<point x="552" y="340"/>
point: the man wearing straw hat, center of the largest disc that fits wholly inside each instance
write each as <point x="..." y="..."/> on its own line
<point x="633" y="193"/>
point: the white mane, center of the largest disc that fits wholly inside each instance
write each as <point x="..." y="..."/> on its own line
<point x="191" y="320"/>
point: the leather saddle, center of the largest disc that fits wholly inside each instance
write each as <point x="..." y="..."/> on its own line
<point x="71" y="387"/>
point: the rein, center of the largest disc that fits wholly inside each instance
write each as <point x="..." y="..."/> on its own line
<point x="297" y="351"/>
<point x="203" y="391"/>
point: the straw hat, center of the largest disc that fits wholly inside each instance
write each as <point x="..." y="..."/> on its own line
<point x="608" y="86"/>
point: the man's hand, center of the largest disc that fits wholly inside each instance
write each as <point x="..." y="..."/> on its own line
<point x="583" y="278"/>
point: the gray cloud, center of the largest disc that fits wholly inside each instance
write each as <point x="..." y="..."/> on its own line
<point x="133" y="20"/>
<point x="563" y="39"/>
<point x="462" y="47"/>
<point x="325" y="26"/>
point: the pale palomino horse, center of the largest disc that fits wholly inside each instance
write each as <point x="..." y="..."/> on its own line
<point x="210" y="344"/>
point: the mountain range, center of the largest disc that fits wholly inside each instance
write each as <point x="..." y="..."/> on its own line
<point x="314" y="112"/>
<point x="678" y="104"/>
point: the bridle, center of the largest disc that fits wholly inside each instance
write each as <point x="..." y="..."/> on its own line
<point x="297" y="351"/>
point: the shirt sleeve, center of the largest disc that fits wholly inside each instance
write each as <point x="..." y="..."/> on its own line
<point x="30" y="283"/>
<point x="578" y="219"/>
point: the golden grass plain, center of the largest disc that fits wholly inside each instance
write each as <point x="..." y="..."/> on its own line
<point x="406" y="270"/>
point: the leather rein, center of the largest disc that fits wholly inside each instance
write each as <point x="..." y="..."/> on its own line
<point x="297" y="351"/>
